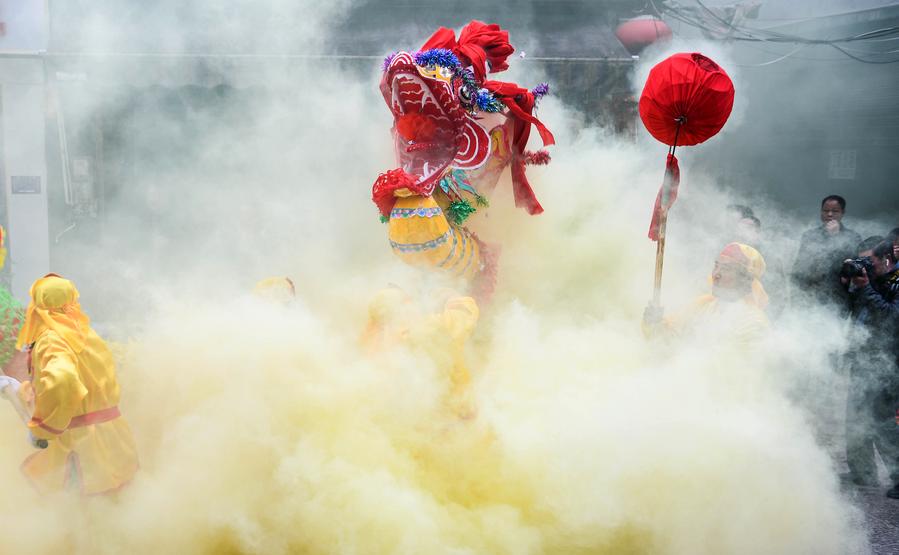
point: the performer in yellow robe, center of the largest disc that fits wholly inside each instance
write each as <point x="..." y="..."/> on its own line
<point x="74" y="395"/>
<point x="736" y="305"/>
<point x="395" y="318"/>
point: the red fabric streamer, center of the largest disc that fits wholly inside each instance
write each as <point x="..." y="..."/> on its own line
<point x="669" y="183"/>
<point x="382" y="192"/>
<point x="520" y="103"/>
<point x="484" y="47"/>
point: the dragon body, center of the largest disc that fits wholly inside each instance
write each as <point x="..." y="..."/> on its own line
<point x="454" y="134"/>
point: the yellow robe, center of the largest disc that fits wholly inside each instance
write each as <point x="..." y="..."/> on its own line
<point x="455" y="325"/>
<point x="76" y="398"/>
<point x="395" y="319"/>
<point x="742" y="322"/>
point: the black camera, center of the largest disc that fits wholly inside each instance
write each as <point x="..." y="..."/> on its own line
<point x="854" y="267"/>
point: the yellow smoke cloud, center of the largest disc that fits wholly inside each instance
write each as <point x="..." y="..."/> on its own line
<point x="278" y="437"/>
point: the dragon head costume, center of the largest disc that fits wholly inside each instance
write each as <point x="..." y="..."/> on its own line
<point x="454" y="133"/>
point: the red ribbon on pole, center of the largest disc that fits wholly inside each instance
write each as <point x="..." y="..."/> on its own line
<point x="666" y="197"/>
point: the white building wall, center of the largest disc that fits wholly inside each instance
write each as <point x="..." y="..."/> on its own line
<point x="22" y="148"/>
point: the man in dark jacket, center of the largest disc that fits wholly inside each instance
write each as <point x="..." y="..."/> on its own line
<point x="821" y="252"/>
<point x="873" y="401"/>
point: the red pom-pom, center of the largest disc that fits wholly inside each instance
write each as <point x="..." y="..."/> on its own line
<point x="386" y="184"/>
<point x="415" y="127"/>
<point x="539" y="158"/>
<point x="486" y="46"/>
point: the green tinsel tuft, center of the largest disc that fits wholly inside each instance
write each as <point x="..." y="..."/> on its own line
<point x="459" y="211"/>
<point x="384" y="219"/>
<point x="481" y="201"/>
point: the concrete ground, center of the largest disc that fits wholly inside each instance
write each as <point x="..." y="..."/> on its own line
<point x="880" y="513"/>
<point x="881" y="518"/>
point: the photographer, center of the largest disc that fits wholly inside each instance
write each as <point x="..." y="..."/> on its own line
<point x="872" y="281"/>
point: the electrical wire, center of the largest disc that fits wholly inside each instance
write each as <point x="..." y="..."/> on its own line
<point x="774" y="61"/>
<point x="854" y="57"/>
<point x="677" y="12"/>
<point x="682" y="14"/>
<point x="804" y="56"/>
<point x="781" y="37"/>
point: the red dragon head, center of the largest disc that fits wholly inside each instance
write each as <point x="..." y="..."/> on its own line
<point x="453" y="129"/>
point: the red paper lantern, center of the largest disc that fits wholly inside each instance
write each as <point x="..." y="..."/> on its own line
<point x="687" y="99"/>
<point x="638" y="33"/>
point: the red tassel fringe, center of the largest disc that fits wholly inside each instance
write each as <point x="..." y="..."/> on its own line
<point x="539" y="158"/>
<point x="386" y="184"/>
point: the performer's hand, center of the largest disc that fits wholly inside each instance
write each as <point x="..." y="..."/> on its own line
<point x="832" y="227"/>
<point x="26" y="395"/>
<point x="862" y="280"/>
<point x="17" y="367"/>
<point x="653" y="315"/>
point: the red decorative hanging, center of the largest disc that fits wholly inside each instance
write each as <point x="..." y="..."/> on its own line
<point x="686" y="100"/>
<point x="521" y="103"/>
<point x="638" y="33"/>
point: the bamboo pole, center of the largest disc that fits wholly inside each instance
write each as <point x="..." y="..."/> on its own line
<point x="660" y="258"/>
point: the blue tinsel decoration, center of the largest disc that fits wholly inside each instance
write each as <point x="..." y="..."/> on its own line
<point x="437" y="57"/>
<point x="487" y="102"/>
<point x="483" y="99"/>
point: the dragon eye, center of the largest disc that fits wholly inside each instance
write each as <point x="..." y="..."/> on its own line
<point x="465" y="98"/>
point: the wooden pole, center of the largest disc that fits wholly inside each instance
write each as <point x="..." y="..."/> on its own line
<point x="8" y="389"/>
<point x="660" y="259"/>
